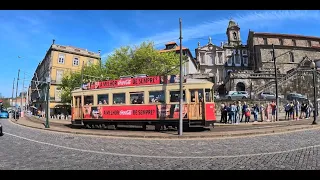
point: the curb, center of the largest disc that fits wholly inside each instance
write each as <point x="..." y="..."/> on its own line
<point x="213" y="136"/>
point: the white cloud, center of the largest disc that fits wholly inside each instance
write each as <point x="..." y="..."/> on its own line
<point x="254" y="20"/>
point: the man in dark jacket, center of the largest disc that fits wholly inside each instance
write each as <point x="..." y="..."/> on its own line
<point x="244" y="108"/>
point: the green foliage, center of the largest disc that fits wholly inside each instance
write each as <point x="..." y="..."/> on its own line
<point x="142" y="59"/>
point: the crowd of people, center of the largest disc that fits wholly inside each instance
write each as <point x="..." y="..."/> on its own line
<point x="236" y="112"/>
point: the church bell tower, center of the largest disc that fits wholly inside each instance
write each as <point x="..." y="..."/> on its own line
<point x="233" y="34"/>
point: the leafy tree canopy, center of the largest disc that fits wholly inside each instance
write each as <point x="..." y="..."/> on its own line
<point x="142" y="59"/>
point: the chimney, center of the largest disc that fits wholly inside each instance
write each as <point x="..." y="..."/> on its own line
<point x="53" y="40"/>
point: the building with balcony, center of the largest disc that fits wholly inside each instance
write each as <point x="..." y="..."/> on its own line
<point x="58" y="61"/>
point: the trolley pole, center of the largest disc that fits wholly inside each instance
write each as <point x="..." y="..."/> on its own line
<point x="181" y="84"/>
<point x="15" y="114"/>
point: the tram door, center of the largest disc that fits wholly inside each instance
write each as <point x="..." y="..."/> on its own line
<point x="77" y="107"/>
<point x="195" y="108"/>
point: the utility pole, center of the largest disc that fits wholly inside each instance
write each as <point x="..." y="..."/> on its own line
<point x="81" y="85"/>
<point x="181" y="84"/>
<point x="48" y="102"/>
<point x="15" y="114"/>
<point x="24" y="76"/>
<point x="276" y="82"/>
<point x="14" y="79"/>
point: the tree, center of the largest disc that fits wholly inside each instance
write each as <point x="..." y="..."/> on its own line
<point x="73" y="80"/>
<point x="142" y="59"/>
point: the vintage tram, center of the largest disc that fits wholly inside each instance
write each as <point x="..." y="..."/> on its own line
<point x="143" y="101"/>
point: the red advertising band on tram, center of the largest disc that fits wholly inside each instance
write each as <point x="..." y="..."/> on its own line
<point x="152" y="80"/>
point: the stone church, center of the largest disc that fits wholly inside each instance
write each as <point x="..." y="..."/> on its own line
<point x="251" y="68"/>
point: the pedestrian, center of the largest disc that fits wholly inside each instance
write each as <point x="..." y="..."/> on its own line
<point x="225" y="114"/>
<point x="296" y="108"/>
<point x="304" y="112"/>
<point x="291" y="110"/>
<point x="255" y="110"/>
<point x="267" y="112"/>
<point x="229" y="114"/>
<point x="233" y="110"/>
<point x="221" y="112"/>
<point x="261" y="112"/>
<point x="287" y="110"/>
<point x="239" y="112"/>
<point x="273" y="111"/>
<point x="247" y="115"/>
<point x="244" y="108"/>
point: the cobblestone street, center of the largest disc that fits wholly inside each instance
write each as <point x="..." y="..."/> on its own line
<point x="27" y="148"/>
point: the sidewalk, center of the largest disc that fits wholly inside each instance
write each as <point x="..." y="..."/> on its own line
<point x="216" y="132"/>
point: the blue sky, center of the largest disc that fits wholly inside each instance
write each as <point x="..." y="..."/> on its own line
<point x="29" y="34"/>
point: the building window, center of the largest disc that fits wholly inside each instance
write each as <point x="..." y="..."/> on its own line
<point x="245" y="60"/>
<point x="210" y="58"/>
<point x="294" y="42"/>
<point x="265" y="41"/>
<point x="57" y="94"/>
<point x="156" y="96"/>
<point x="237" y="59"/>
<point x="202" y="58"/>
<point x="59" y="76"/>
<point x="175" y="96"/>
<point x="119" y="98"/>
<point x="61" y="59"/>
<point x="291" y="57"/>
<point x="230" y="60"/>
<point x="244" y="52"/>
<point x="309" y="43"/>
<point x="281" y="41"/>
<point x="75" y="61"/>
<point x="220" y="60"/>
<point x="136" y="98"/>
<point x="89" y="62"/>
<point x="103" y="99"/>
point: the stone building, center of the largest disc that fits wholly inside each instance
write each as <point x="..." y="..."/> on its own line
<point x="293" y="53"/>
<point x="211" y="60"/>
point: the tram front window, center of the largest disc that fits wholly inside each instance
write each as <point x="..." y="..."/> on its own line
<point x="208" y="95"/>
<point x="136" y="97"/>
<point x="88" y="100"/>
<point x="193" y="95"/>
<point x="175" y="96"/>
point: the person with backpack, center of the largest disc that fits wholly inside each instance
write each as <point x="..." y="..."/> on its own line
<point x="232" y="112"/>
<point x="255" y="110"/>
<point x="291" y="110"/>
<point x="287" y="110"/>
<point x="247" y="115"/>
<point x="243" y="110"/>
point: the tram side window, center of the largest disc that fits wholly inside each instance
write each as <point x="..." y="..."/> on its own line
<point x="175" y="96"/>
<point x="77" y="100"/>
<point x="103" y="99"/>
<point x="119" y="98"/>
<point x="88" y="100"/>
<point x="156" y="97"/>
<point x="208" y="95"/>
<point x="136" y="98"/>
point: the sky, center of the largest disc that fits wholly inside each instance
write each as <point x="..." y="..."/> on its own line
<point x="25" y="36"/>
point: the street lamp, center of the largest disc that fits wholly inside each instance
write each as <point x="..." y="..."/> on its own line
<point x="315" y="107"/>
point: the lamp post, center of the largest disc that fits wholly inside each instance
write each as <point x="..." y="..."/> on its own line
<point x="315" y="106"/>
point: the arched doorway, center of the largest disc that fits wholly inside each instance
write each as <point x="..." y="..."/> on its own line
<point x="240" y="86"/>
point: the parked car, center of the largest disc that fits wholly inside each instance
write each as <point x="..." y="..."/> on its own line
<point x="269" y="95"/>
<point x="4" y="114"/>
<point x="1" y="132"/>
<point x="296" y="96"/>
<point x="237" y="95"/>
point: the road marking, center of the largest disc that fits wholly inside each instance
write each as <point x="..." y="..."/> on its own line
<point x="167" y="139"/>
<point x="160" y="157"/>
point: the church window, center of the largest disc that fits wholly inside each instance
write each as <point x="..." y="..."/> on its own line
<point x="245" y="60"/>
<point x="234" y="35"/>
<point x="265" y="41"/>
<point x="237" y="60"/>
<point x="202" y="58"/>
<point x="230" y="60"/>
<point x="220" y="60"/>
<point x="291" y="57"/>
